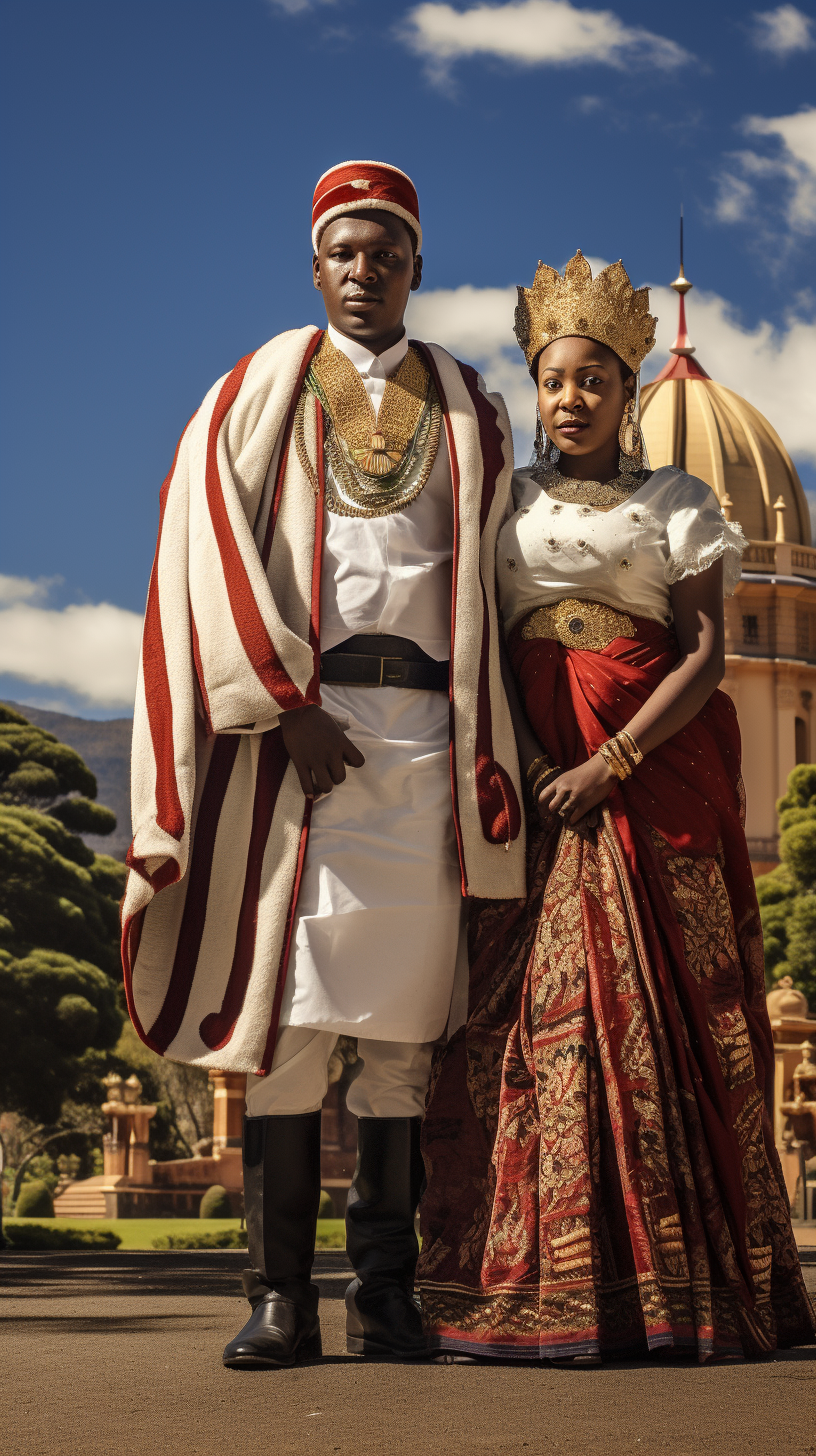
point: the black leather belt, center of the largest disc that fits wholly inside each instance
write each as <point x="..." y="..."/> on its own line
<point x="383" y="662"/>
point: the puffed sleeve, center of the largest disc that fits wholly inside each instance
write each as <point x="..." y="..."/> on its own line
<point x="698" y="533"/>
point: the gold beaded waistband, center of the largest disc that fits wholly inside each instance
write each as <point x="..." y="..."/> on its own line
<point x="587" y="626"/>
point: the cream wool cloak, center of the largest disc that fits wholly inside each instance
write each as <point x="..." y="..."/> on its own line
<point x="231" y="639"/>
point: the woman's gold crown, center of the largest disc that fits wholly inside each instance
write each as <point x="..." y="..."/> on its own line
<point x="607" y="309"/>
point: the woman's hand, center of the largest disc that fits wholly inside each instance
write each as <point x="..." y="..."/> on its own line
<point x="318" y="749"/>
<point x="574" y="793"/>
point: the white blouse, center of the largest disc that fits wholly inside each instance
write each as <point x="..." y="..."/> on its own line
<point x="626" y="557"/>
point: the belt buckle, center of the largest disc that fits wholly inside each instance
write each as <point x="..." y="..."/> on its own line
<point x="383" y="661"/>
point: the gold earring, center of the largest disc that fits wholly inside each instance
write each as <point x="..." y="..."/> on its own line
<point x="629" y="431"/>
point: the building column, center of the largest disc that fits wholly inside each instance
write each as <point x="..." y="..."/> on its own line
<point x="139" y="1150"/>
<point x="229" y="1096"/>
<point x="786" y="704"/>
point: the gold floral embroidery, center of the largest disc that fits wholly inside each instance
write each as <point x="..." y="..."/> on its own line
<point x="574" y="1007"/>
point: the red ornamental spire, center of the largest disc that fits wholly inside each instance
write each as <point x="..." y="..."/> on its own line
<point x="682" y="366"/>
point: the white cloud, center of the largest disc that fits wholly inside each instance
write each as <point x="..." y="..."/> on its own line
<point x="92" y="650"/>
<point x="23" y="589"/>
<point x="533" y="33"/>
<point x="774" y="369"/>
<point x="794" y="164"/>
<point x="798" y="161"/>
<point x="735" y="198"/>
<point x="296" y="7"/>
<point x="782" y="31"/>
<point x="476" y="325"/>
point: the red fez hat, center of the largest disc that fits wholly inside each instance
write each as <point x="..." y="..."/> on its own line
<point x="353" y="186"/>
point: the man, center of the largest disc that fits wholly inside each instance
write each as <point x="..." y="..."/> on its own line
<point x="323" y="755"/>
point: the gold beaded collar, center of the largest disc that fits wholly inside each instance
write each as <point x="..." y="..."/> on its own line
<point x="375" y="464"/>
<point x="377" y="442"/>
<point x="604" y="495"/>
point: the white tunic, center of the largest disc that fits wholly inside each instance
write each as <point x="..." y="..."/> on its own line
<point x="626" y="557"/>
<point x="374" y="945"/>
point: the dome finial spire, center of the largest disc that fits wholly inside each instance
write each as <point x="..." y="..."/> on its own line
<point x="682" y="344"/>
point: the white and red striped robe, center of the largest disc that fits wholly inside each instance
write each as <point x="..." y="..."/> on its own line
<point x="231" y="639"/>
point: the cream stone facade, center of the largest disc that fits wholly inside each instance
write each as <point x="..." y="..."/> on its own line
<point x="703" y="427"/>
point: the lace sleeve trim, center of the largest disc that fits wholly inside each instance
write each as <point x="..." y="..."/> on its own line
<point x="691" y="560"/>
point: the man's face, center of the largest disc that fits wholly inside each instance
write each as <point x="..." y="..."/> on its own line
<point x="365" y="268"/>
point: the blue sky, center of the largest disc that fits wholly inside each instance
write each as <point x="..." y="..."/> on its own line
<point x="159" y="159"/>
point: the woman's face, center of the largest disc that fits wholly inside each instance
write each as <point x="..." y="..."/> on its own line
<point x="581" y="394"/>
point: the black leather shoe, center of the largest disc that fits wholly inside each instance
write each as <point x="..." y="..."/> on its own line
<point x="281" y="1198"/>
<point x="382" y="1319"/>
<point x="278" y="1332"/>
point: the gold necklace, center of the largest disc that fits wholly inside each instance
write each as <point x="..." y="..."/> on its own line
<point x="375" y="464"/>
<point x="602" y="494"/>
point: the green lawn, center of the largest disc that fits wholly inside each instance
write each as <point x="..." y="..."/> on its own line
<point x="139" y="1233"/>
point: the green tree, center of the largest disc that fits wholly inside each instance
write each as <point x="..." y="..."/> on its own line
<point x="39" y="772"/>
<point x="61" y="1013"/>
<point x="787" y="896"/>
<point x="53" y="1007"/>
<point x="60" y="973"/>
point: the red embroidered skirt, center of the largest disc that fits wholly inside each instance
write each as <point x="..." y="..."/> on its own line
<point x="602" y="1176"/>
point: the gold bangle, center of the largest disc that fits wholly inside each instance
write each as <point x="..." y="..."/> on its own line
<point x="629" y="746"/>
<point x="537" y="764"/>
<point x="609" y="756"/>
<point x="620" y="757"/>
<point x="544" y="778"/>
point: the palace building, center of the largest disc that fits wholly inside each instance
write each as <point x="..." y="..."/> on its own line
<point x="691" y="421"/>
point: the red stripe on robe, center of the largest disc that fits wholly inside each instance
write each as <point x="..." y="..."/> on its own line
<point x="169" y="813"/>
<point x="199" y="872"/>
<point x="314" y="638"/>
<point x="249" y="623"/>
<point x="273" y="760"/>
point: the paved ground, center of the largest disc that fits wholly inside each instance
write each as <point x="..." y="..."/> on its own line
<point x="119" y="1355"/>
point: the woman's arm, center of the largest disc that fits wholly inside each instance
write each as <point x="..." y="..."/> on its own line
<point x="697" y="604"/>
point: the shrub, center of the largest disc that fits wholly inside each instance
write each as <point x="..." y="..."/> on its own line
<point x="225" y="1239"/>
<point x="37" y="1236"/>
<point x="215" y="1203"/>
<point x="326" y="1209"/>
<point x="34" y="1201"/>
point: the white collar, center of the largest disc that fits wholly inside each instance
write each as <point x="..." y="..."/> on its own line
<point x="377" y="366"/>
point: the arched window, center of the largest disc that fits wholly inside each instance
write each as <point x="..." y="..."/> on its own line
<point x="802" y="745"/>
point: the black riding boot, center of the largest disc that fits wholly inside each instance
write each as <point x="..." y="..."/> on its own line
<point x="281" y="1198"/>
<point x="381" y="1316"/>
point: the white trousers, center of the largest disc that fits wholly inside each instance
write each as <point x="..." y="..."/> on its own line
<point x="392" y="1083"/>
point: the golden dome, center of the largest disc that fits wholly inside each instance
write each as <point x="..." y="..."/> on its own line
<point x="691" y="421"/>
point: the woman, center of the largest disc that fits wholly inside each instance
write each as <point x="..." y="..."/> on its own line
<point x="602" y="1176"/>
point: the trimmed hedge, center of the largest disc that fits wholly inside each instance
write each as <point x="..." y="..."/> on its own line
<point x="215" y="1203"/>
<point x="34" y="1200"/>
<point x="227" y="1239"/>
<point x="326" y="1209"/>
<point x="37" y="1236"/>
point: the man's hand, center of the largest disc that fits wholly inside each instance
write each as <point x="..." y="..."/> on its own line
<point x="575" y="793"/>
<point x="318" y="749"/>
